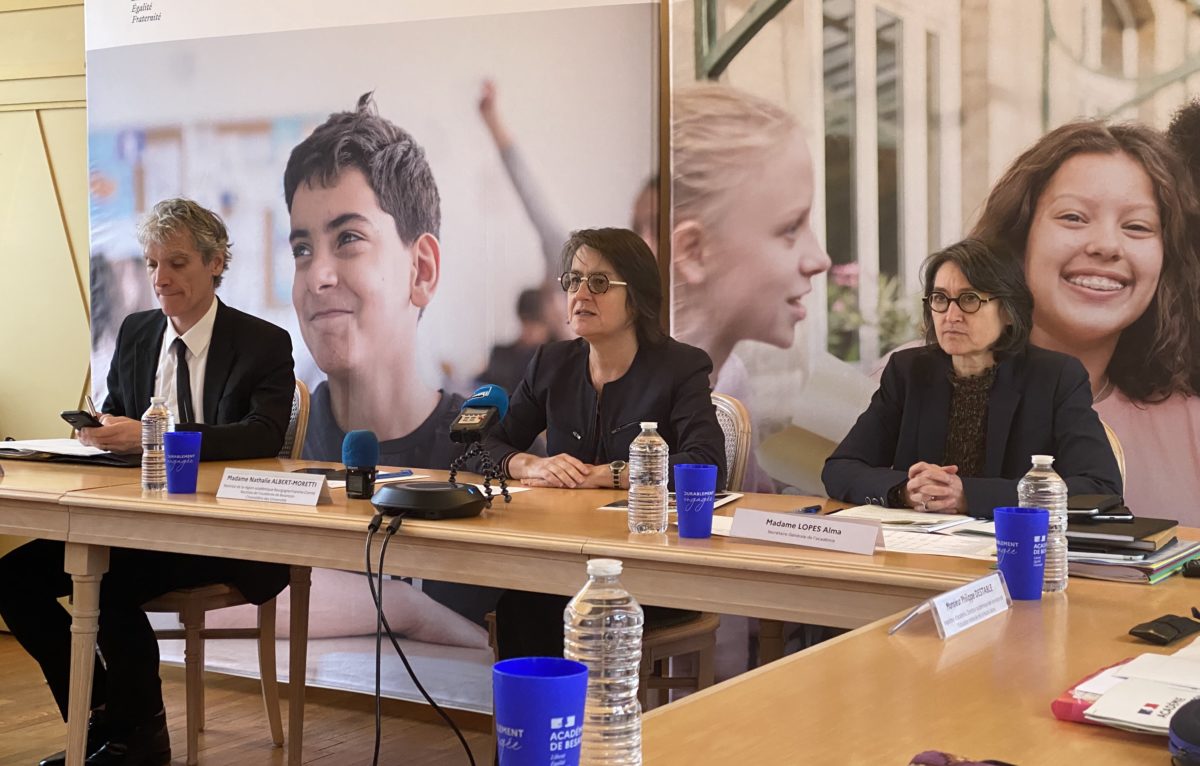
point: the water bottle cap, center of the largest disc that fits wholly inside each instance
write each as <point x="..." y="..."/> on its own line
<point x="158" y="400"/>
<point x="603" y="567"/>
<point x="1043" y="459"/>
<point x="649" y="424"/>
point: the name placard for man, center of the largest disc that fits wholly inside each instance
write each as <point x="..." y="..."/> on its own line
<point x="812" y="531"/>
<point x="273" y="487"/>
<point x="968" y="605"/>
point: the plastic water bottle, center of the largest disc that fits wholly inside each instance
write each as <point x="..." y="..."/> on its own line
<point x="155" y="423"/>
<point x="648" y="482"/>
<point x="1043" y="488"/>
<point x="603" y="630"/>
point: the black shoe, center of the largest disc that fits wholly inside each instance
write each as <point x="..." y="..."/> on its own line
<point x="97" y="735"/>
<point x="148" y="744"/>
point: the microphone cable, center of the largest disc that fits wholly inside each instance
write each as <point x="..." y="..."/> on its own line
<point x="372" y="528"/>
<point x="381" y="624"/>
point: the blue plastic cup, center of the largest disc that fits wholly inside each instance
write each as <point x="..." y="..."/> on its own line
<point x="182" y="451"/>
<point x="1021" y="549"/>
<point x="538" y="708"/>
<point x="695" y="491"/>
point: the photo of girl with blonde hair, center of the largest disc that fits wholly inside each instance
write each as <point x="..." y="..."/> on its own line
<point x="744" y="257"/>
<point x="1100" y="216"/>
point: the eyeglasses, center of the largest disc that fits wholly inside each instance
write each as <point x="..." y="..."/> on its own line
<point x="968" y="302"/>
<point x="597" y="284"/>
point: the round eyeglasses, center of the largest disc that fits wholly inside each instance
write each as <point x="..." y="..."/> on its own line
<point x="597" y="284"/>
<point x="968" y="302"/>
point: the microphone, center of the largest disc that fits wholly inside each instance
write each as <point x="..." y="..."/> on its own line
<point x="360" y="455"/>
<point x="479" y="413"/>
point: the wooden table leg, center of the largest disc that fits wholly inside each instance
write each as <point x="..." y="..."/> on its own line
<point x="770" y="641"/>
<point x="86" y="564"/>
<point x="301" y="581"/>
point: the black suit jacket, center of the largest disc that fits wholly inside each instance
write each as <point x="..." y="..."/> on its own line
<point x="667" y="382"/>
<point x="248" y="381"/>
<point x="1040" y="404"/>
<point x="248" y="387"/>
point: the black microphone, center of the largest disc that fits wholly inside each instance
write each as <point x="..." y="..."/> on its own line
<point x="360" y="455"/>
<point x="479" y="412"/>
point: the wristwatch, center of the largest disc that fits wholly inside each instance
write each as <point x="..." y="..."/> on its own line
<point x="617" y="467"/>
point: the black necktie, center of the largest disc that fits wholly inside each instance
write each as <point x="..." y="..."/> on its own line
<point x="183" y="382"/>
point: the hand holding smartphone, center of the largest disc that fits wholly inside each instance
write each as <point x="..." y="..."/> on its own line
<point x="80" y="419"/>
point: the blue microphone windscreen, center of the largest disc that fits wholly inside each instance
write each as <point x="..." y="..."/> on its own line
<point x="360" y="449"/>
<point x="489" y="396"/>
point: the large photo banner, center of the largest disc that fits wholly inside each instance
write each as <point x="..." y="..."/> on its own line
<point x="822" y="149"/>
<point x="484" y="133"/>
<point x="529" y="125"/>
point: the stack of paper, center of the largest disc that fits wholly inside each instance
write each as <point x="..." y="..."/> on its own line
<point x="1154" y="568"/>
<point x="1137" y="705"/>
<point x="1151" y="689"/>
<point x="905" y="520"/>
<point x="33" y="447"/>
<point x="65" y="451"/>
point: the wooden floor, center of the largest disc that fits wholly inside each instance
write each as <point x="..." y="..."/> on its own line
<point x="339" y="727"/>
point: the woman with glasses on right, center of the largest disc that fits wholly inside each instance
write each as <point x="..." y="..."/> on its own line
<point x="954" y="423"/>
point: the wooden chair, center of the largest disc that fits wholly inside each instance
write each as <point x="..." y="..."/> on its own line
<point x="1118" y="451"/>
<point x="697" y="636"/>
<point x="191" y="604"/>
<point x="735" y="423"/>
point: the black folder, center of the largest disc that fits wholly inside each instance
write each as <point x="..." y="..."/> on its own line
<point x="107" y="459"/>
<point x="1141" y="533"/>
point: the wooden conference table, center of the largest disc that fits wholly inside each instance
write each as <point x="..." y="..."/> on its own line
<point x="870" y="698"/>
<point x="540" y="542"/>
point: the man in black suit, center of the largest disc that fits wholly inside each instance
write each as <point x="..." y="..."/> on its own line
<point x="225" y="374"/>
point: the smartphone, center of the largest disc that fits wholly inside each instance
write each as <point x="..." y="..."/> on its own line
<point x="1111" y="517"/>
<point x="80" y="419"/>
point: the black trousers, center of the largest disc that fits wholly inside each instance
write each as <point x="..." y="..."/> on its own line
<point x="531" y="624"/>
<point x="127" y="682"/>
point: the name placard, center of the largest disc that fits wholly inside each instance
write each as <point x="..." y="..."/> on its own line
<point x="273" y="487"/>
<point x="968" y="605"/>
<point x="812" y="531"/>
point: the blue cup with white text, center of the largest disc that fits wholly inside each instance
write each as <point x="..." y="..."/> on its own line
<point x="537" y="705"/>
<point x="695" y="491"/>
<point x="1021" y="549"/>
<point x="181" y="451"/>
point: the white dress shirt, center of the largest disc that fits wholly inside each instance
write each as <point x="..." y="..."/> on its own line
<point x="196" y="339"/>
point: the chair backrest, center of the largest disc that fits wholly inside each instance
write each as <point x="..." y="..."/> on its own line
<point x="735" y="423"/>
<point x="1118" y="451"/>
<point x="293" y="438"/>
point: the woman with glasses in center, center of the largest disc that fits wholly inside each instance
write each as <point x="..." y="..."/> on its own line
<point x="954" y="423"/>
<point x="589" y="396"/>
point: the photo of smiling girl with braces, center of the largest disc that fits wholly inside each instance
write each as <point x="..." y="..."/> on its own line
<point x="1099" y="214"/>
